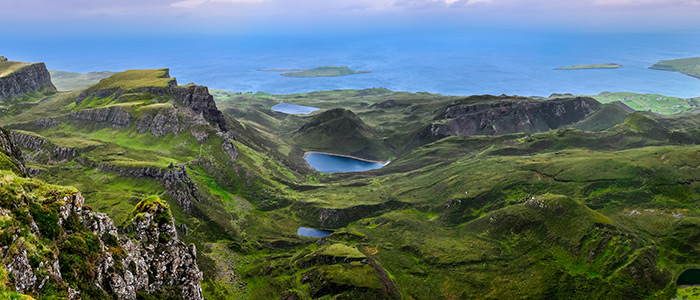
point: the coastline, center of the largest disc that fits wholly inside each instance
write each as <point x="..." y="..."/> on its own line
<point x="348" y="156"/>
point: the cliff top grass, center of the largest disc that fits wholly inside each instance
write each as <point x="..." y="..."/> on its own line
<point x="134" y="79"/>
<point x="342" y="250"/>
<point x="688" y="66"/>
<point x="8" y="67"/>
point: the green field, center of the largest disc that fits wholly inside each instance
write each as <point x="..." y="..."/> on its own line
<point x="650" y="102"/>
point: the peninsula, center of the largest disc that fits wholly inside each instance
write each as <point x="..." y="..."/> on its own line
<point x="687" y="66"/>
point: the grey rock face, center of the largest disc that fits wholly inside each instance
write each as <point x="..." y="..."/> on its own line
<point x="41" y="150"/>
<point x="155" y="257"/>
<point x="116" y="117"/>
<point x="31" y="78"/>
<point x="8" y="146"/>
<point x="503" y="117"/>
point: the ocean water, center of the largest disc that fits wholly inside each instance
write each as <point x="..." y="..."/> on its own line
<point x="446" y="62"/>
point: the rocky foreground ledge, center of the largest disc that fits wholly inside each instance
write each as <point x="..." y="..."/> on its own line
<point x="53" y="245"/>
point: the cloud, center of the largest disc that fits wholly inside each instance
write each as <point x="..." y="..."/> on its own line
<point x="196" y="3"/>
<point x="670" y="3"/>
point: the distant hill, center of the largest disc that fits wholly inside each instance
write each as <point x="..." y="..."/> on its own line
<point x="607" y="116"/>
<point x="68" y="81"/>
<point x="341" y="131"/>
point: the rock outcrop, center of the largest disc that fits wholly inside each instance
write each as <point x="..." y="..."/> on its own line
<point x="28" y="78"/>
<point x="91" y="257"/>
<point x="12" y="152"/>
<point x="503" y="115"/>
<point x="42" y="151"/>
<point x="192" y="96"/>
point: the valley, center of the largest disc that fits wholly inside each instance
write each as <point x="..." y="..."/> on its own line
<point x="485" y="197"/>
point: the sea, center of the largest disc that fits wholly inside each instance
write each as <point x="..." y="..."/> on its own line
<point x="458" y="62"/>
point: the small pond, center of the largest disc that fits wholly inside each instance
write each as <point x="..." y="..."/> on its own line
<point x="314" y="233"/>
<point x="293" y="109"/>
<point x="327" y="163"/>
<point x="689" y="277"/>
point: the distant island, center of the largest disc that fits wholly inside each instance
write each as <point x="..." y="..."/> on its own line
<point x="687" y="66"/>
<point x="281" y="70"/>
<point x="326" y="71"/>
<point x="591" y="67"/>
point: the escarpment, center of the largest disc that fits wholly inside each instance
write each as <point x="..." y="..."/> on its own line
<point x="503" y="116"/>
<point x="40" y="150"/>
<point x="191" y="96"/>
<point x="17" y="79"/>
<point x="12" y="158"/>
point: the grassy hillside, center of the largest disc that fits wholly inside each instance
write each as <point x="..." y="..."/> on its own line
<point x="576" y="212"/>
<point x="7" y="67"/>
<point x="134" y="79"/>
<point x="650" y="102"/>
<point x="341" y="131"/>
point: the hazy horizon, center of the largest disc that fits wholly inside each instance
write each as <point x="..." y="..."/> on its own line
<point x="79" y="17"/>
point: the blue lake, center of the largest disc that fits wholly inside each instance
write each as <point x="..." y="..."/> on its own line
<point x="689" y="277"/>
<point x="453" y="62"/>
<point x="326" y="163"/>
<point x="314" y="233"/>
<point x="294" y="109"/>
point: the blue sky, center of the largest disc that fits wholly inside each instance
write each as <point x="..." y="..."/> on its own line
<point x="241" y="16"/>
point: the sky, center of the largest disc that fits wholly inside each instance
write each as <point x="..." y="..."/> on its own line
<point x="250" y="16"/>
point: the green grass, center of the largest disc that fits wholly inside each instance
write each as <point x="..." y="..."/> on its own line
<point x="8" y="67"/>
<point x="134" y="79"/>
<point x="650" y="102"/>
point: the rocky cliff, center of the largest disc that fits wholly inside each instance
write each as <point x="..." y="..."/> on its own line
<point x="54" y="246"/>
<point x="10" y="155"/>
<point x="24" y="79"/>
<point x="42" y="151"/>
<point x="503" y="115"/>
<point x="191" y="96"/>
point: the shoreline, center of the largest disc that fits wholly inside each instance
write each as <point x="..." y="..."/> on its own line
<point x="347" y="156"/>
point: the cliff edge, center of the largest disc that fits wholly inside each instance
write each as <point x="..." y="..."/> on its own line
<point x="19" y="78"/>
